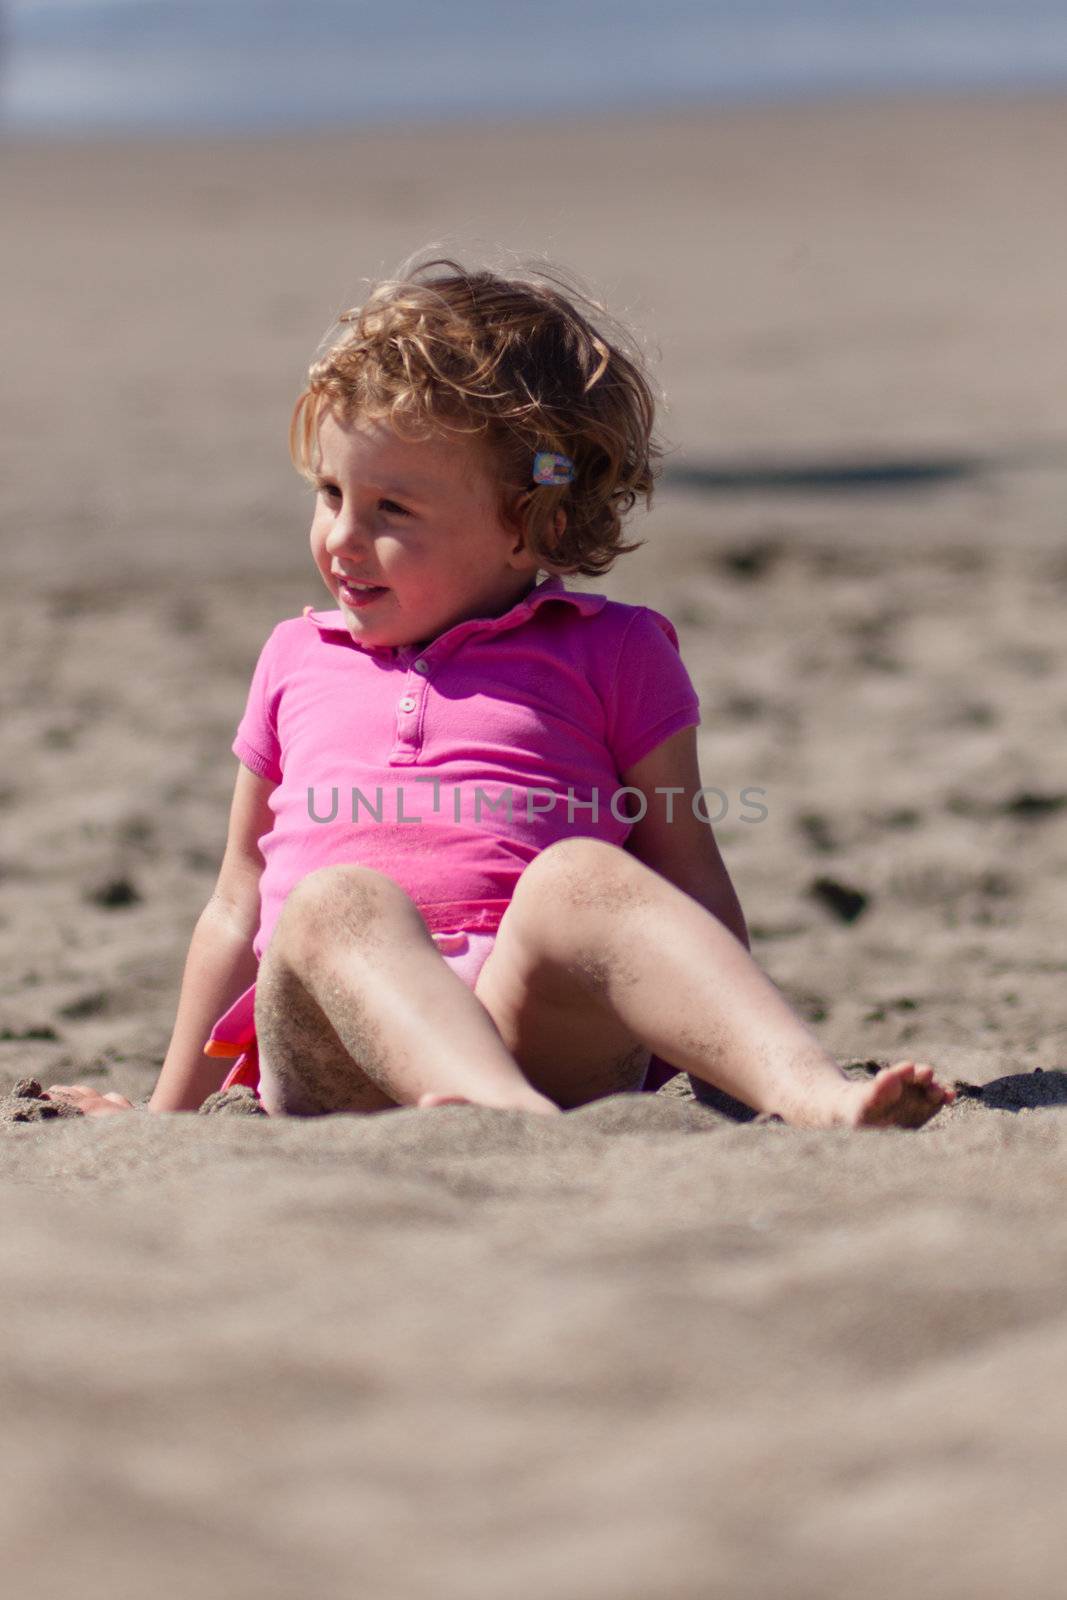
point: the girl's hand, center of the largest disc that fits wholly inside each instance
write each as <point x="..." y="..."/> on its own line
<point x="88" y="1101"/>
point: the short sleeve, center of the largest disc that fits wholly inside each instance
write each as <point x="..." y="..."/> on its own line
<point x="257" y="743"/>
<point x="652" y="694"/>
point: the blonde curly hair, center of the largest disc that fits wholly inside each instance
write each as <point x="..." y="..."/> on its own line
<point x="513" y="361"/>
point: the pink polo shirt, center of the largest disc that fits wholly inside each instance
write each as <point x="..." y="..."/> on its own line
<point x="450" y="767"/>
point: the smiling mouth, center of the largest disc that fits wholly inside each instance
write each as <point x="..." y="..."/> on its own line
<point x="361" y="594"/>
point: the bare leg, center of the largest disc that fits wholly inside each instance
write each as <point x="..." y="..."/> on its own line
<point x="357" y="1011"/>
<point x="595" y="944"/>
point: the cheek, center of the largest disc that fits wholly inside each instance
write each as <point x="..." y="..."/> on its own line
<point x="395" y="555"/>
<point x="317" y="538"/>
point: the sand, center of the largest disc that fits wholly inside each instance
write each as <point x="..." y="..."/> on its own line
<point x="644" y="1350"/>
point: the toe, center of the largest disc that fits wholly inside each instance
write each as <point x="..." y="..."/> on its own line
<point x="888" y="1088"/>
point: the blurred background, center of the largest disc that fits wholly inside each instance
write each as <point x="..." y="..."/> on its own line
<point x="190" y="65"/>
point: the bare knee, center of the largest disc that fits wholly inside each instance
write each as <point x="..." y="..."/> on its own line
<point x="564" y="908"/>
<point x="346" y="904"/>
<point x="581" y="873"/>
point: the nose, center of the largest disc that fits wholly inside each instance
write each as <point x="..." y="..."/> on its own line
<point x="346" y="533"/>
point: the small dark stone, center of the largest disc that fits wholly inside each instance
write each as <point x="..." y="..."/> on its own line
<point x="818" y="832"/>
<point x="753" y="560"/>
<point x="86" y="1005"/>
<point x="115" y="892"/>
<point x="846" y="903"/>
<point x="18" y="1035"/>
<point x="27" y="1089"/>
<point x="1034" y="806"/>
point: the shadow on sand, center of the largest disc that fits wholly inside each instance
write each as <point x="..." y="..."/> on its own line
<point x="826" y="477"/>
<point x="1021" y="1091"/>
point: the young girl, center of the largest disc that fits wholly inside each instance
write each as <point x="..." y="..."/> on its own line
<point x="468" y="858"/>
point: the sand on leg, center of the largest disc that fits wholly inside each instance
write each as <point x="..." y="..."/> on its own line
<point x="356" y="1010"/>
<point x="598" y="958"/>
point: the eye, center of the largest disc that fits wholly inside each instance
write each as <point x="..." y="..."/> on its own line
<point x="391" y="506"/>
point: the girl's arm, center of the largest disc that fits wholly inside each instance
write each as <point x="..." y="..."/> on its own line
<point x="220" y="965"/>
<point x="682" y="850"/>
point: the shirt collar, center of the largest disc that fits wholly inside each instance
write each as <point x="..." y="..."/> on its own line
<point x="550" y="588"/>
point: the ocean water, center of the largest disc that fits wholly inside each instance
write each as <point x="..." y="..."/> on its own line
<point x="213" y="65"/>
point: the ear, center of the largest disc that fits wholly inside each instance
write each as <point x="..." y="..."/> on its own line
<point x="520" y="557"/>
<point x="514" y="519"/>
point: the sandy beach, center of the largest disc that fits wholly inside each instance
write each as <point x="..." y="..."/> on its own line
<point x="641" y="1351"/>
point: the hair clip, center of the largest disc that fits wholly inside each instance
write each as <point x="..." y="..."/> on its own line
<point x="552" y="469"/>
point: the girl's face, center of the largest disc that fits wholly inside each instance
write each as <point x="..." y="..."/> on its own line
<point x="419" y="521"/>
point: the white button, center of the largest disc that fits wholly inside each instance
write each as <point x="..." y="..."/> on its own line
<point x="420" y="665"/>
<point x="408" y="703"/>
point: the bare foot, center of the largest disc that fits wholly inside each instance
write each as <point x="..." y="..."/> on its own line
<point x="902" y="1096"/>
<point x="88" y="1101"/>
